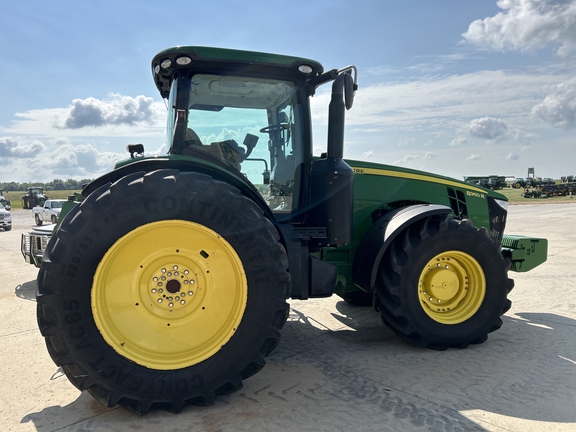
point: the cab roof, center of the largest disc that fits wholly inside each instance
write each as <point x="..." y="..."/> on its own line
<point x="214" y="60"/>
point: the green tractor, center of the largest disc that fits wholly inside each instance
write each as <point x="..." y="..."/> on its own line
<point x="168" y="284"/>
<point x="34" y="197"/>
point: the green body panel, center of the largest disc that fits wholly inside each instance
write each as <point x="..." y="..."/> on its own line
<point x="378" y="186"/>
<point x="382" y="186"/>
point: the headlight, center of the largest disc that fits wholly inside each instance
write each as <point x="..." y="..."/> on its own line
<point x="45" y="240"/>
<point x="502" y="203"/>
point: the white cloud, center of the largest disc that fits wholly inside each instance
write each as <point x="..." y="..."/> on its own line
<point x="473" y="157"/>
<point x="76" y="161"/>
<point x="406" y="159"/>
<point x="12" y="148"/>
<point x="527" y="25"/>
<point x="487" y="128"/>
<point x="367" y="155"/>
<point x="443" y="103"/>
<point x="430" y="155"/>
<point x="115" y="116"/>
<point x="116" y="110"/>
<point x="458" y="140"/>
<point x="559" y="107"/>
<point x="406" y="142"/>
<point x="512" y="157"/>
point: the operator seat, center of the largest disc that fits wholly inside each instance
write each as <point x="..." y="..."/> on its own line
<point x="227" y="151"/>
<point x="192" y="138"/>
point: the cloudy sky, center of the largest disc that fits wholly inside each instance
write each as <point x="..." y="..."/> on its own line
<point x="448" y="86"/>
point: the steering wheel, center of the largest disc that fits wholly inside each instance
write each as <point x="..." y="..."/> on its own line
<point x="275" y="128"/>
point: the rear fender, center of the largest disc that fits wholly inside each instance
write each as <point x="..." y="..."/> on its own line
<point x="235" y="178"/>
<point x="375" y="242"/>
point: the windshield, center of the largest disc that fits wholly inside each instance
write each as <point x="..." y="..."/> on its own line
<point x="250" y="124"/>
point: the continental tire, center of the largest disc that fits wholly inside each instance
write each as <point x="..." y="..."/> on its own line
<point x="161" y="290"/>
<point x="443" y="283"/>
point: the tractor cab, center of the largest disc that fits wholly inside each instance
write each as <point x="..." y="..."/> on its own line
<point x="252" y="125"/>
<point x="247" y="112"/>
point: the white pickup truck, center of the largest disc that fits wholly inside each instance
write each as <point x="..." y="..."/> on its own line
<point x="49" y="212"/>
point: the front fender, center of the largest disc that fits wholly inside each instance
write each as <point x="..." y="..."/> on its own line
<point x="375" y="242"/>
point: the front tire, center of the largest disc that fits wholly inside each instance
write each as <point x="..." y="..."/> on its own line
<point x="162" y="290"/>
<point x="443" y="283"/>
<point x="37" y="220"/>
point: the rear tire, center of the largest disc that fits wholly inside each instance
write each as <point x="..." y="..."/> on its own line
<point x="54" y="219"/>
<point x="443" y="283"/>
<point x="121" y="332"/>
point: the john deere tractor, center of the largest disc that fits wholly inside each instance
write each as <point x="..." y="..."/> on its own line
<point x="34" y="197"/>
<point x="168" y="284"/>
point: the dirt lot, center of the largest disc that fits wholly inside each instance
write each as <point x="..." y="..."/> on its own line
<point x="337" y="367"/>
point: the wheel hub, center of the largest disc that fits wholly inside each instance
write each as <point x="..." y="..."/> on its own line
<point x="451" y="287"/>
<point x="171" y="287"/>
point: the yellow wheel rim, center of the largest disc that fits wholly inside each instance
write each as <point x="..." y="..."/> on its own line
<point x="169" y="294"/>
<point x="451" y="287"/>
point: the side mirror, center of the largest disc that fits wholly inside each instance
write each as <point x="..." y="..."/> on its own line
<point x="349" y="90"/>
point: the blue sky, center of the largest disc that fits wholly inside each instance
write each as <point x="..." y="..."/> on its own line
<point x="448" y="86"/>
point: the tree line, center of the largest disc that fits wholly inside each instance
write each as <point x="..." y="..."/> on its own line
<point x="56" y="184"/>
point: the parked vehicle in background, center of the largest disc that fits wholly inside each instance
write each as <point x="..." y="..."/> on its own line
<point x="49" y="212"/>
<point x="520" y="183"/>
<point x="5" y="219"/>
<point x="33" y="243"/>
<point x="34" y="197"/>
<point x="551" y="190"/>
<point x="4" y="201"/>
<point x="492" y="182"/>
<point x="529" y="182"/>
